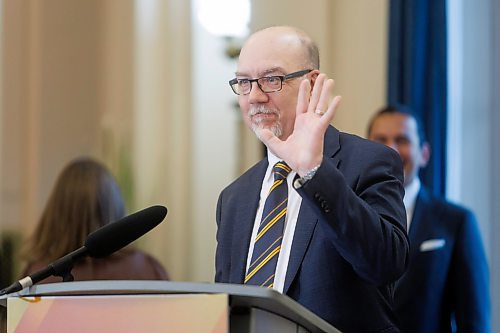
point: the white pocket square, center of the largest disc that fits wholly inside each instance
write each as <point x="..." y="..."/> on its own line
<point x="432" y="244"/>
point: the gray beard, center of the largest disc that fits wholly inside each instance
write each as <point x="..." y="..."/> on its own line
<point x="276" y="128"/>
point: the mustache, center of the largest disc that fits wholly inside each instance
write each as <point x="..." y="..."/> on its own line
<point x="254" y="110"/>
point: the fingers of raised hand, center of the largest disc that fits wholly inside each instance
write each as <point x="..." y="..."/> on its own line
<point x="319" y="112"/>
<point x="324" y="98"/>
<point x="303" y="97"/>
<point x="316" y="93"/>
<point x="330" y="112"/>
<point x="318" y="101"/>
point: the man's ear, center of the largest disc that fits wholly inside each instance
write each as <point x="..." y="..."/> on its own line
<point x="425" y="152"/>
<point x="313" y="76"/>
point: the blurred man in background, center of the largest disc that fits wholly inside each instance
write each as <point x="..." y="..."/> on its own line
<point x="445" y="288"/>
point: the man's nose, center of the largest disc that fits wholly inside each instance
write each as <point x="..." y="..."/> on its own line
<point x="392" y="144"/>
<point x="256" y="94"/>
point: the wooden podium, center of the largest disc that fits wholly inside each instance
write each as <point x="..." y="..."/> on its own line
<point x="156" y="306"/>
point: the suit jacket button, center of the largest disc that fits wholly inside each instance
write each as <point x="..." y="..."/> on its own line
<point x="324" y="206"/>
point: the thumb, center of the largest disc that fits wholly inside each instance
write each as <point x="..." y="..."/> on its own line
<point x="268" y="138"/>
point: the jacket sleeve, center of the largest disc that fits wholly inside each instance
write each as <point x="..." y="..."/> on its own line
<point x="220" y="261"/>
<point x="363" y="213"/>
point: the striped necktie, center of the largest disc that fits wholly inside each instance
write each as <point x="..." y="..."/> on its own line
<point x="268" y="240"/>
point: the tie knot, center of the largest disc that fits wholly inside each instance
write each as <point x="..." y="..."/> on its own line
<point x="281" y="170"/>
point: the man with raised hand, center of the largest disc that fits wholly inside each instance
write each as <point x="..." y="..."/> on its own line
<point x="321" y="218"/>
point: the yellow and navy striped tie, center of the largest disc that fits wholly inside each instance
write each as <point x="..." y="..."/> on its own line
<point x="268" y="240"/>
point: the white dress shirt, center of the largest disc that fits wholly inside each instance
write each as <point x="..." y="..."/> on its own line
<point x="294" y="201"/>
<point x="410" y="198"/>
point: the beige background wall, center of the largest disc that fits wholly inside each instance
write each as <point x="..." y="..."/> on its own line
<point x="141" y="86"/>
<point x="51" y="95"/>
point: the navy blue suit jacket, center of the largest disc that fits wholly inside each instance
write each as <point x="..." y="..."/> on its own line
<point x="448" y="274"/>
<point x="350" y="242"/>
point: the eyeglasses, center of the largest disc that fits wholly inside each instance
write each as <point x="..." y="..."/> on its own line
<point x="267" y="84"/>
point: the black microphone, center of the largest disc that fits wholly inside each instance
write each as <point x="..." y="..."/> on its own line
<point x="114" y="236"/>
<point x="99" y="244"/>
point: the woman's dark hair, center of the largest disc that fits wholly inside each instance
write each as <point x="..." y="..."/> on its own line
<point x="84" y="198"/>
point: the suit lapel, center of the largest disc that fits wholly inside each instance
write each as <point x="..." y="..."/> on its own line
<point x="307" y="219"/>
<point x="417" y="222"/>
<point x="332" y="144"/>
<point x="304" y="229"/>
<point x="245" y="218"/>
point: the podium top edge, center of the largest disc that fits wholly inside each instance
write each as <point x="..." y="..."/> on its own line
<point x="240" y="295"/>
<point x="111" y="287"/>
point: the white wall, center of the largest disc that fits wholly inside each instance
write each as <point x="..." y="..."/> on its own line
<point x="470" y="108"/>
<point x="473" y="138"/>
<point x="215" y="125"/>
<point x="494" y="176"/>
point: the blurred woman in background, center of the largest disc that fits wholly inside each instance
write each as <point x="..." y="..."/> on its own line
<point x="85" y="198"/>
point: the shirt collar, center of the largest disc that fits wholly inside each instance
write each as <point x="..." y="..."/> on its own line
<point x="411" y="192"/>
<point x="272" y="159"/>
<point x="410" y="198"/>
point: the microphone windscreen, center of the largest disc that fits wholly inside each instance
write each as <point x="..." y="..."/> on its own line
<point x="116" y="235"/>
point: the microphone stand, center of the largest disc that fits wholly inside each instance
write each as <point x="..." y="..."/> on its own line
<point x="61" y="267"/>
<point x="100" y="243"/>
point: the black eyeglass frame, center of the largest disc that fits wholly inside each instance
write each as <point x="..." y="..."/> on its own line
<point x="280" y="77"/>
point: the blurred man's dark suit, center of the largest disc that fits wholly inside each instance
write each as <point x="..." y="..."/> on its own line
<point x="448" y="273"/>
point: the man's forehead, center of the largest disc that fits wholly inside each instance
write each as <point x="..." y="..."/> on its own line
<point x="267" y="50"/>
<point x="274" y="35"/>
<point x="393" y="123"/>
<point x="277" y="61"/>
<point x="397" y="118"/>
<point x="276" y="70"/>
